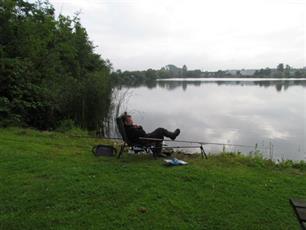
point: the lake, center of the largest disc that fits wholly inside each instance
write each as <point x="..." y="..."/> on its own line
<point x="268" y="112"/>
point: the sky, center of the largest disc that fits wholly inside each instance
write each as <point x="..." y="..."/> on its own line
<point x="203" y="34"/>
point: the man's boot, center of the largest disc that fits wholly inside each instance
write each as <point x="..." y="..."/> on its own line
<point x="173" y="135"/>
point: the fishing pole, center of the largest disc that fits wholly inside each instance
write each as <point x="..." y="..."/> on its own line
<point x="179" y="141"/>
<point x="201" y="142"/>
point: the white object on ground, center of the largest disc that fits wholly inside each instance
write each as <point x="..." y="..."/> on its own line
<point x="175" y="162"/>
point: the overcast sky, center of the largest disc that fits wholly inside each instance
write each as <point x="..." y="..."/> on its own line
<point x="205" y="34"/>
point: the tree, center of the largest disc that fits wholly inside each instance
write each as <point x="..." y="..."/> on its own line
<point x="280" y="67"/>
<point x="49" y="71"/>
<point x="287" y="70"/>
<point x="184" y="70"/>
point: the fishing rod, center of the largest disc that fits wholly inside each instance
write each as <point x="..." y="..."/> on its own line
<point x="179" y="141"/>
<point x="202" y="143"/>
<point x="210" y="143"/>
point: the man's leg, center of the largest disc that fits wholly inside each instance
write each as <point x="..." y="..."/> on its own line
<point x="157" y="133"/>
<point x="161" y="133"/>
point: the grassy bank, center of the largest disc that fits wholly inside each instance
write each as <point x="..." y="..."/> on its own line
<point x="52" y="181"/>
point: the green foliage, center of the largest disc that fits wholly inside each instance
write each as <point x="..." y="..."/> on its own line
<point x="46" y="65"/>
<point x="280" y="67"/>
<point x="70" y="128"/>
<point x="65" y="125"/>
<point x="263" y="72"/>
<point x="256" y="159"/>
<point x="149" y="76"/>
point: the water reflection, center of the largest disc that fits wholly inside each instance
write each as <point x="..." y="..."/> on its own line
<point x="236" y="112"/>
<point x="278" y="85"/>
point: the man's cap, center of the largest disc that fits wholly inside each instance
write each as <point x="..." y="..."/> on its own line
<point x="125" y="115"/>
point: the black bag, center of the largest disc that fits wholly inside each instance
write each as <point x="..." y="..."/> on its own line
<point x="104" y="150"/>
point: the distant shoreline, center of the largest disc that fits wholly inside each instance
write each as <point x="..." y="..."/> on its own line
<point x="231" y="79"/>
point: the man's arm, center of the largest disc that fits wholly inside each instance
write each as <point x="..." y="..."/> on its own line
<point x="134" y="133"/>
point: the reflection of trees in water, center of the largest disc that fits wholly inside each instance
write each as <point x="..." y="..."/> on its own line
<point x="175" y="84"/>
<point x="279" y="85"/>
<point x="171" y="85"/>
<point x="184" y="85"/>
<point x="151" y="84"/>
<point x="136" y="84"/>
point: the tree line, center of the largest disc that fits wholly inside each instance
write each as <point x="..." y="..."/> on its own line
<point x="49" y="72"/>
<point x="150" y="75"/>
<point x="172" y="71"/>
<point x="281" y="70"/>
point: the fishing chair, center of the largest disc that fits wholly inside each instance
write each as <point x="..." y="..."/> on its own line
<point x="299" y="207"/>
<point x="147" y="145"/>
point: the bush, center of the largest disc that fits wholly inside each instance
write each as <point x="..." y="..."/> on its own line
<point x="69" y="127"/>
<point x="65" y="125"/>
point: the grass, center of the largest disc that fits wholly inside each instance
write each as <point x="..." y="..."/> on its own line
<point x="49" y="180"/>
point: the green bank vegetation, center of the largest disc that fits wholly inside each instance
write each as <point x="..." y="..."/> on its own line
<point x="49" y="72"/>
<point x="51" y="180"/>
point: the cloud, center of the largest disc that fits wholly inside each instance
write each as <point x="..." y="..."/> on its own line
<point x="207" y="35"/>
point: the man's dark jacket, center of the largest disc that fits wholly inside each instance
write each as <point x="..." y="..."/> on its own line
<point x="133" y="133"/>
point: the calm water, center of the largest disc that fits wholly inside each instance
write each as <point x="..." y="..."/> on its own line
<point x="270" y="113"/>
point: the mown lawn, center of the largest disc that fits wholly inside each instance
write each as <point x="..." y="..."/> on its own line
<point x="52" y="181"/>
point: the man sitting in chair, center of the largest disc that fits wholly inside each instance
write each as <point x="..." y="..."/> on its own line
<point x="134" y="131"/>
